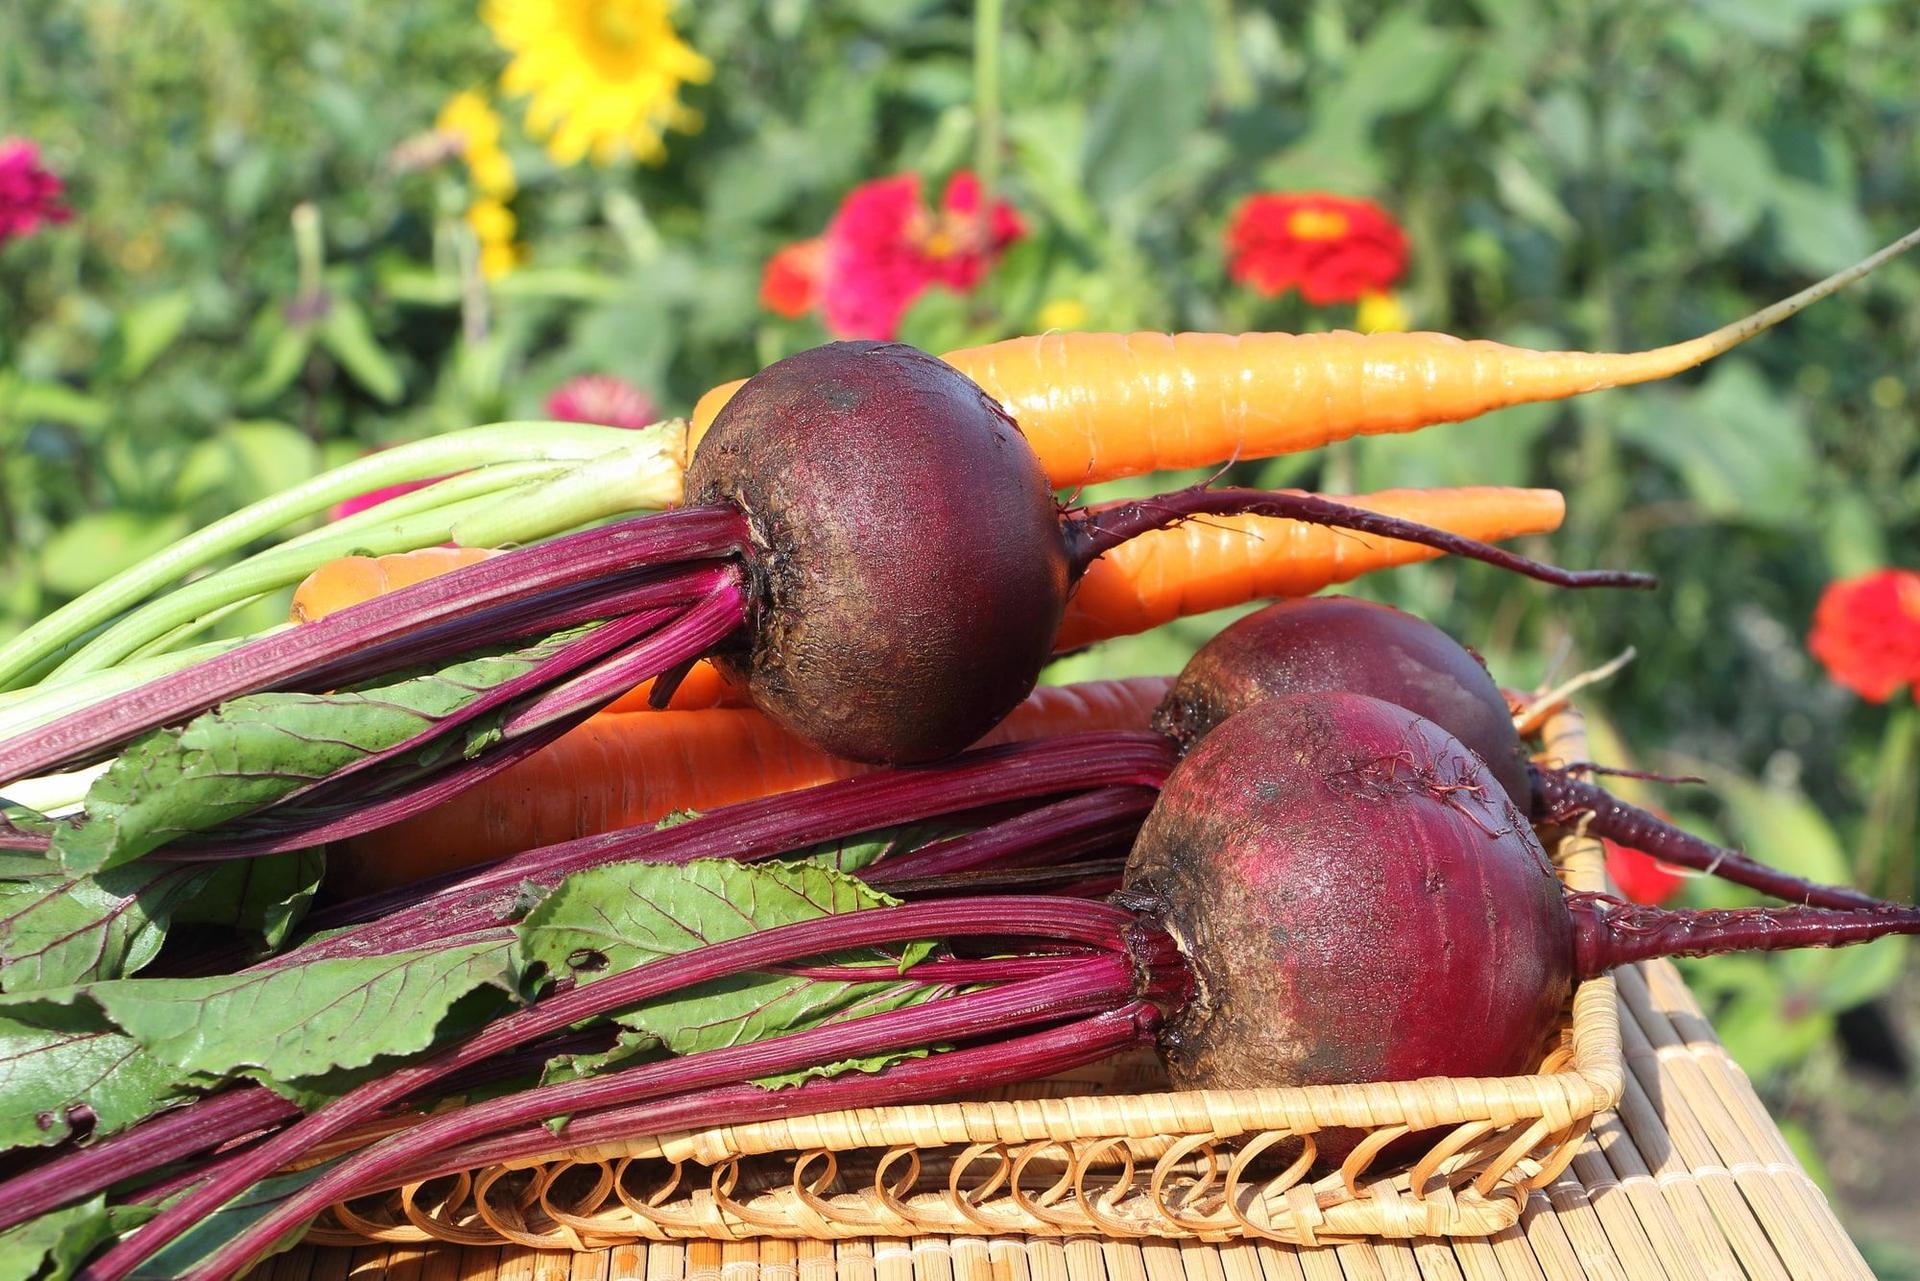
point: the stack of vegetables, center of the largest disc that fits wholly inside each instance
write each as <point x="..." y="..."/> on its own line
<point x="749" y="807"/>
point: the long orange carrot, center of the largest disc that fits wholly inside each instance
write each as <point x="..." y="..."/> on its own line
<point x="1221" y="561"/>
<point x="619" y="770"/>
<point x="1100" y="406"/>
<point x="1156" y="577"/>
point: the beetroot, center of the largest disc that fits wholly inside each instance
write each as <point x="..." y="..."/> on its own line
<point x="848" y="635"/>
<point x="1338" y="643"/>
<point x="1360" y="901"/>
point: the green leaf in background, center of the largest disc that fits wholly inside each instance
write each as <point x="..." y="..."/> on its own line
<point x="57" y="1052"/>
<point x="1820" y="230"/>
<point x="284" y="357"/>
<point x="1151" y="103"/>
<point x="349" y="339"/>
<point x="611" y="919"/>
<point x="253" y="751"/>
<point x="1740" y="446"/>
<point x="99" y="545"/>
<point x="305" y="1020"/>
<point x="57" y="929"/>
<point x="1730" y="174"/>
<point x="50" y="1247"/>
<point x="245" y="462"/>
<point x="149" y="327"/>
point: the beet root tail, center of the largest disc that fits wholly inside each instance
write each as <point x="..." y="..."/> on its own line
<point x="1093" y="532"/>
<point x="1608" y="933"/>
<point x="1559" y="797"/>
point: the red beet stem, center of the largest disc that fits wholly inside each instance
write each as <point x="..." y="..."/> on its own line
<point x="751" y="830"/>
<point x="169" y="1136"/>
<point x="1610" y="933"/>
<point x="338" y="809"/>
<point x="1088" y="878"/>
<point x="1095" y="985"/>
<point x="1044" y="918"/>
<point x="1057" y="833"/>
<point x="1559" y="798"/>
<point x="485" y="603"/>
<point x="1098" y="530"/>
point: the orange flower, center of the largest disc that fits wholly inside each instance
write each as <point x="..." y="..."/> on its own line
<point x="790" y="285"/>
<point x="1867" y="633"/>
<point x="1332" y="249"/>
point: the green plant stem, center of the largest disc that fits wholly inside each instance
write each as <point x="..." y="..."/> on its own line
<point x="1891" y="810"/>
<point x="456" y="451"/>
<point x="29" y="709"/>
<point x="987" y="18"/>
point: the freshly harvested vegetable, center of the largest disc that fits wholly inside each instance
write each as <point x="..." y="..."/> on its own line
<point x="1151" y="579"/>
<point x="871" y="552"/>
<point x="1335" y="643"/>
<point x="1329" y="889"/>
<point x="1101" y="406"/>
<point x="623" y="769"/>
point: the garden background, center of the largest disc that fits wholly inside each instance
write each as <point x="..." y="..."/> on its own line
<point x="295" y="230"/>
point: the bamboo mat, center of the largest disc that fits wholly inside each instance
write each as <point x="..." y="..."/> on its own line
<point x="1689" y="1179"/>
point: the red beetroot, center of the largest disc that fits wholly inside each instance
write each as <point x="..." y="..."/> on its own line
<point x="1359" y="900"/>
<point x="1337" y="643"/>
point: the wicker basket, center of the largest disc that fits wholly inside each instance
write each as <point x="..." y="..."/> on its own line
<point x="1107" y="1150"/>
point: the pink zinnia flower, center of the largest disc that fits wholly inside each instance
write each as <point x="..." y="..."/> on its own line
<point x="885" y="246"/>
<point x="29" y="192"/>
<point x="347" y="507"/>
<point x="604" y="399"/>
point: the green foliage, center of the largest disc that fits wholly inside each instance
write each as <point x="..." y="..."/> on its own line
<point x="254" y="287"/>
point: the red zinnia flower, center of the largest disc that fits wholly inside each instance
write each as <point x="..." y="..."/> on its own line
<point x="885" y="246"/>
<point x="604" y="399"/>
<point x="1867" y="633"/>
<point x="29" y="193"/>
<point x="790" y="285"/>
<point x="1331" y="248"/>
<point x="1640" y="877"/>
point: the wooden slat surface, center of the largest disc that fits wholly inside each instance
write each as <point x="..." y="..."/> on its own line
<point x="1689" y="1179"/>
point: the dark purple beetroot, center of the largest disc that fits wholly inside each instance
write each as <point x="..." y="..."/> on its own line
<point x="1359" y="900"/>
<point x="1327" y="643"/>
<point x="1337" y="643"/>
<point x="933" y="584"/>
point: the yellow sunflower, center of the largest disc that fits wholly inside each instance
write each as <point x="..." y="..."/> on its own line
<point x="603" y="76"/>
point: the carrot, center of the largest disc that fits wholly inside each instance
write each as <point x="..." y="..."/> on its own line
<point x="1100" y="406"/>
<point x="1231" y="560"/>
<point x="619" y="770"/>
<point x="1156" y="577"/>
<point x="352" y="579"/>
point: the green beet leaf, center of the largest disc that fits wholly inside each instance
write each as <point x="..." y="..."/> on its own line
<point x="58" y="1053"/>
<point x="50" y="1247"/>
<point x="305" y="1021"/>
<point x="610" y="919"/>
<point x="254" y="751"/>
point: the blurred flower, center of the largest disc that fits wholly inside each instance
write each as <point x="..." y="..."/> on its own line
<point x="604" y="75"/>
<point x="359" y="503"/>
<point x="1866" y="631"/>
<point x="1640" y="877"/>
<point x="475" y="125"/>
<point x="29" y="192"/>
<point x="884" y="247"/>
<point x="1062" y="313"/>
<point x="493" y="225"/>
<point x="602" y="398"/>
<point x="790" y="284"/>
<point x="1380" y="313"/>
<point x="1330" y="248"/>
